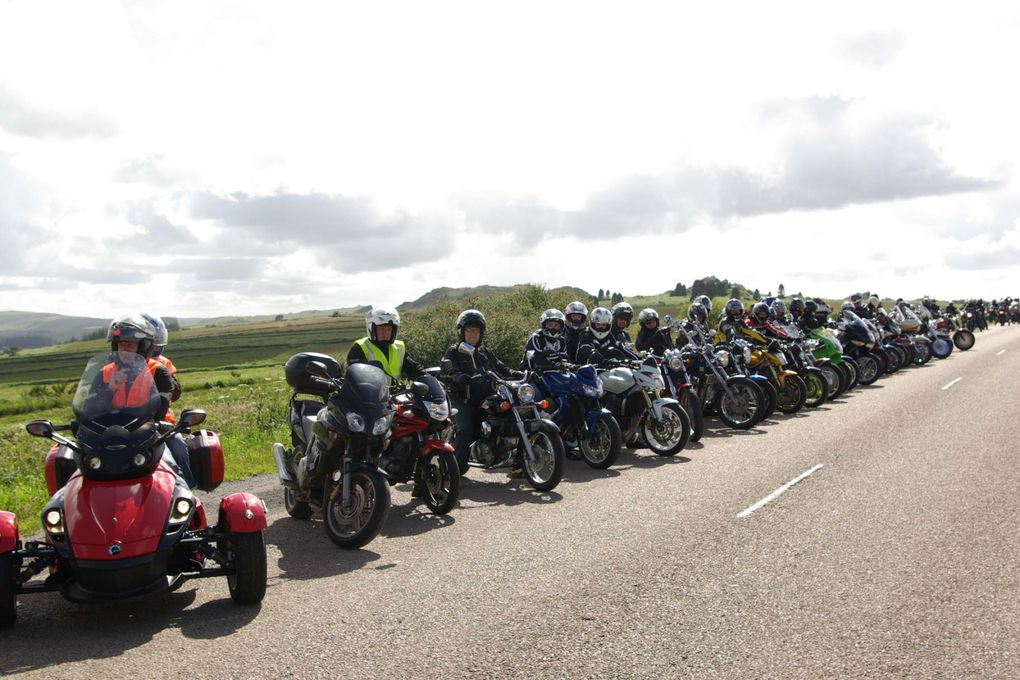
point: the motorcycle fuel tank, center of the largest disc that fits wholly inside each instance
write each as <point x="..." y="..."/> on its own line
<point x="618" y="380"/>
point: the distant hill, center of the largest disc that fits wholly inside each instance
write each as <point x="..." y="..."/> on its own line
<point x="31" y="329"/>
<point x="444" y="294"/>
<point x="262" y="318"/>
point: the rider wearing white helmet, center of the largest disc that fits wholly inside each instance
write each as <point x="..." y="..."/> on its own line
<point x="381" y="347"/>
<point x="576" y="315"/>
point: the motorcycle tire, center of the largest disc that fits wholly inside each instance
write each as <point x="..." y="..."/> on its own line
<point x="901" y="357"/>
<point x="792" y="394"/>
<point x="675" y="424"/>
<point x="963" y="340"/>
<point x="8" y="593"/>
<point x="894" y="361"/>
<point x="771" y="398"/>
<point x="817" y="387"/>
<point x="247" y="584"/>
<point x="439" y="476"/>
<point x="883" y="361"/>
<point x="692" y="405"/>
<point x="369" y="508"/>
<point x="750" y="407"/>
<point x="941" y="348"/>
<point x="834" y="380"/>
<point x="295" y="508"/>
<point x="923" y="354"/>
<point x="601" y="449"/>
<point x="869" y="372"/>
<point x="550" y="446"/>
<point x="846" y="377"/>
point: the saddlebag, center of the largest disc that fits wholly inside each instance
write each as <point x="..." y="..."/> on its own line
<point x="60" y="466"/>
<point x="206" y="454"/>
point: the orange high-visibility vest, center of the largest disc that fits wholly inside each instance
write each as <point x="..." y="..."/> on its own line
<point x="165" y="361"/>
<point x="138" y="395"/>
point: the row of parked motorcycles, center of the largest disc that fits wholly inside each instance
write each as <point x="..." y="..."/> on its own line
<point x="122" y="524"/>
<point x="353" y="437"/>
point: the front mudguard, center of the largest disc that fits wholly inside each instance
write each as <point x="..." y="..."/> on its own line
<point x="658" y="404"/>
<point x="9" y="537"/>
<point x="436" y="445"/>
<point x="591" y="418"/>
<point x="541" y="425"/>
<point x="242" y="513"/>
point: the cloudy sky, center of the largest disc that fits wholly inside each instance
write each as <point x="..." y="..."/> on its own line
<point x="206" y="158"/>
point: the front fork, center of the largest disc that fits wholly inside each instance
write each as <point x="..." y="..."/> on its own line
<point x="528" y="449"/>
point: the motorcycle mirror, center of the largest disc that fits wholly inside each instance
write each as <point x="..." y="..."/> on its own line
<point x="419" y="389"/>
<point x="466" y="348"/>
<point x="667" y="318"/>
<point x="445" y="366"/>
<point x="40" y="428"/>
<point x="318" y="369"/>
<point x="196" y="416"/>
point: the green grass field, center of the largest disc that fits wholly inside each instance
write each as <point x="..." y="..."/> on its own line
<point x="234" y="373"/>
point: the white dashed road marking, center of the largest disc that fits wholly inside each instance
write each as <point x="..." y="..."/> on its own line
<point x="946" y="387"/>
<point x="779" y="492"/>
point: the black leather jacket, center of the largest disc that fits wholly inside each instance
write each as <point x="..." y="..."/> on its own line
<point x="466" y="366"/>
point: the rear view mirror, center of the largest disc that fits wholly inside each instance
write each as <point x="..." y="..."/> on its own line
<point x="466" y="348"/>
<point x="40" y="428"/>
<point x="666" y="319"/>
<point x="445" y="366"/>
<point x="192" y="417"/>
<point x="420" y="389"/>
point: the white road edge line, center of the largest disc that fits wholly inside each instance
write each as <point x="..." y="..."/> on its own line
<point x="999" y="353"/>
<point x="779" y="492"/>
<point x="946" y="387"/>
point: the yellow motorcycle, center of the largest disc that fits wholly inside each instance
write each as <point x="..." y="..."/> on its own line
<point x="768" y="359"/>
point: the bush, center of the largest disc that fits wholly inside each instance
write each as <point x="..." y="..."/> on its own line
<point x="510" y="318"/>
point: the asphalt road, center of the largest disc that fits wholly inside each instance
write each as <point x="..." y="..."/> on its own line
<point x="899" y="557"/>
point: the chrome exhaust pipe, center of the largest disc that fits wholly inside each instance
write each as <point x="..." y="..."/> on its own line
<point x="282" y="469"/>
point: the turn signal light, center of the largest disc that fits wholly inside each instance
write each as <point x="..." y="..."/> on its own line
<point x="505" y="406"/>
<point x="544" y="404"/>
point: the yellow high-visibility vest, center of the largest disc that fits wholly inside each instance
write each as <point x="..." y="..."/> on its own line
<point x="392" y="364"/>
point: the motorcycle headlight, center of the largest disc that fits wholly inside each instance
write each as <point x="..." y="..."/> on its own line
<point x="181" y="511"/>
<point x="355" y="422"/>
<point x="594" y="390"/>
<point x="969" y="314"/>
<point x="526" y="393"/>
<point x="723" y="357"/>
<point x="747" y="354"/>
<point x="658" y="384"/>
<point x="438" y="410"/>
<point x="381" y="425"/>
<point x="53" y="521"/>
<point x="675" y="363"/>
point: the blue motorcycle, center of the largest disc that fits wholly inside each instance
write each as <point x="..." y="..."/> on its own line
<point x="574" y="393"/>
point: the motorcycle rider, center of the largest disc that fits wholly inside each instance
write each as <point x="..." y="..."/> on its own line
<point x="694" y="325"/>
<point x="547" y="347"/>
<point x="577" y="318"/>
<point x="796" y="310"/>
<point x="381" y="347"/>
<point x="650" y="337"/>
<point x="470" y="360"/>
<point x="733" y="318"/>
<point x="622" y="314"/>
<point x="178" y="447"/>
<point x="759" y="317"/>
<point x="778" y="310"/>
<point x="597" y="344"/>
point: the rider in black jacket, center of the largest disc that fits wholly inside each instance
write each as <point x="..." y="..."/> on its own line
<point x="597" y="344"/>
<point x="577" y="318"/>
<point x="650" y="337"/>
<point x="547" y="347"/>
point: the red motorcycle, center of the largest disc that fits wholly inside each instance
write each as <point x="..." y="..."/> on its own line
<point x="417" y="451"/>
<point x="121" y="524"/>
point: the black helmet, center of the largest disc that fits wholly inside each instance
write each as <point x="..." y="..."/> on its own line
<point x="622" y="310"/>
<point x="705" y="302"/>
<point x="733" y="308"/>
<point x="472" y="318"/>
<point x="133" y="328"/>
<point x="856" y="297"/>
<point x="697" y="313"/>
<point x="810" y="307"/>
<point x="647" y="314"/>
<point x="778" y="308"/>
<point x="796" y="306"/>
<point x="760" y="312"/>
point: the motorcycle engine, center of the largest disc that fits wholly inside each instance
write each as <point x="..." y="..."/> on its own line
<point x="482" y="453"/>
<point x="393" y="459"/>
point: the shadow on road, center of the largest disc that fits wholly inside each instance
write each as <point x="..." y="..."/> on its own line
<point x="501" y="491"/>
<point x="52" y="631"/>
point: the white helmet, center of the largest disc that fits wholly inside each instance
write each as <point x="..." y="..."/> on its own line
<point x="576" y="307"/>
<point x="647" y="314"/>
<point x="159" y="344"/>
<point x="600" y="316"/>
<point x="382" y="317"/>
<point x="548" y="316"/>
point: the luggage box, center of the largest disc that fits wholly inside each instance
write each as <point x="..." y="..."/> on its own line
<point x="206" y="454"/>
<point x="298" y="377"/>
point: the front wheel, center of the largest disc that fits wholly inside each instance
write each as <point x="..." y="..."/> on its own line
<point x="745" y="408"/>
<point x="833" y="380"/>
<point x="817" y="387"/>
<point x="668" y="435"/>
<point x="247" y="584"/>
<point x="439" y="475"/>
<point x="601" y="448"/>
<point x="941" y="347"/>
<point x="923" y="350"/>
<point x="8" y="593"/>
<point x="963" y="340"/>
<point x="691" y="404"/>
<point x="295" y="508"/>
<point x="868" y="369"/>
<point x="792" y="394"/>
<point x="546" y="471"/>
<point x="360" y="522"/>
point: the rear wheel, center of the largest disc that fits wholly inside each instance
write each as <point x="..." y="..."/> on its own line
<point x="247" y="584"/>
<point x="601" y="448"/>
<point x="439" y="476"/>
<point x="941" y="347"/>
<point x="668" y="435"/>
<point x="8" y="593"/>
<point x="854" y="370"/>
<point x="922" y="354"/>
<point x="771" y="397"/>
<point x="833" y="380"/>
<point x="792" y="394"/>
<point x="868" y="369"/>
<point x="745" y="408"/>
<point x="546" y="471"/>
<point x="295" y="508"/>
<point x="817" y="385"/>
<point x="691" y="403"/>
<point x="356" y="525"/>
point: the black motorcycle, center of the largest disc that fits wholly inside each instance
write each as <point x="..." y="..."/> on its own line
<point x="338" y="437"/>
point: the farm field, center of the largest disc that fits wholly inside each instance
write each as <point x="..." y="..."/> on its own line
<point x="234" y="373"/>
